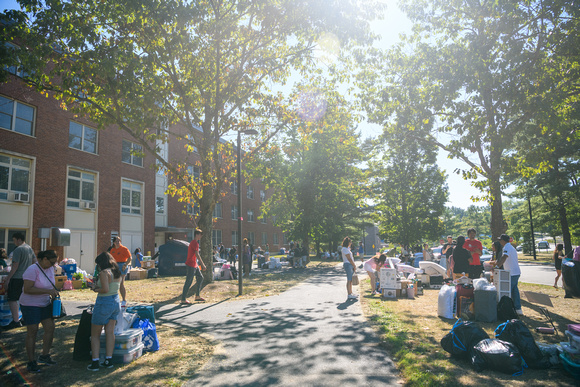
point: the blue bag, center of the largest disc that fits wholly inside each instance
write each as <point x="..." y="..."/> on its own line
<point x="149" y="339"/>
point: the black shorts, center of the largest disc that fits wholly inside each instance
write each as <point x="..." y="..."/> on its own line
<point x="15" y="289"/>
<point x="558" y="264"/>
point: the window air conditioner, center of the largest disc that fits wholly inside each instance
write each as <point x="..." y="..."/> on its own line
<point x="21" y="197"/>
<point x="89" y="205"/>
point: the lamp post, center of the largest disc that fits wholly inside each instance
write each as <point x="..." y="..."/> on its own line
<point x="240" y="252"/>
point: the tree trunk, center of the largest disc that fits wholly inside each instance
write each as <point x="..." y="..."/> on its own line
<point x="206" y="225"/>
<point x="498" y="226"/>
<point x="564" y="224"/>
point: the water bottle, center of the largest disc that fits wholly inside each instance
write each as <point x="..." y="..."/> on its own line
<point x="56" y="306"/>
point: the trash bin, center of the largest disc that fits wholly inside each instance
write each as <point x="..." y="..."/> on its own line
<point x="172" y="256"/>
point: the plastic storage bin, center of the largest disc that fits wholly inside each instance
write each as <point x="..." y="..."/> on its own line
<point x="573" y="369"/>
<point x="574" y="339"/>
<point x="69" y="270"/>
<point x="127" y="340"/>
<point x="572" y="354"/>
<point x="124" y="356"/>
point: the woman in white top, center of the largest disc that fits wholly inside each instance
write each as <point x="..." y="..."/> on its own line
<point x="349" y="266"/>
<point x="372" y="266"/>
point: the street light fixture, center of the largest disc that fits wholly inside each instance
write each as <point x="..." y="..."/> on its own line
<point x="240" y="252"/>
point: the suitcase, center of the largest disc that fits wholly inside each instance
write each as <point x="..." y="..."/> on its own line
<point x="485" y="305"/>
<point x="462" y="291"/>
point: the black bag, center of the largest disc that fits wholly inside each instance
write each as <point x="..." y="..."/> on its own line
<point x="571" y="278"/>
<point x="515" y="332"/>
<point x="506" y="309"/>
<point x="497" y="355"/>
<point x="82" y="346"/>
<point x="462" y="337"/>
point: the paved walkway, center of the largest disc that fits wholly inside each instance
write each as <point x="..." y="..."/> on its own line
<point x="309" y="335"/>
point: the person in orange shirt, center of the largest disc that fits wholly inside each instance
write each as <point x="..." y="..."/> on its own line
<point x="123" y="257"/>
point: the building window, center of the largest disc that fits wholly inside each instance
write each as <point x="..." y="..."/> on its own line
<point x="250" y="215"/>
<point x="263" y="219"/>
<point x="285" y="239"/>
<point x="131" y="193"/>
<point x="193" y="210"/>
<point x="234" y="238"/>
<point x="82" y="137"/>
<point x="217" y="210"/>
<point x="131" y="153"/>
<point x="264" y="238"/>
<point x="262" y="195"/>
<point x="194" y="171"/>
<point x="234" y="187"/>
<point x="216" y="237"/>
<point x="235" y="212"/>
<point x="6" y="241"/>
<point x="250" y="192"/>
<point x="274" y="220"/>
<point x="251" y="238"/>
<point x="80" y="192"/>
<point x="16" y="116"/>
<point x="14" y="177"/>
<point x="275" y="238"/>
<point x="16" y="70"/>
<point x="160" y="205"/>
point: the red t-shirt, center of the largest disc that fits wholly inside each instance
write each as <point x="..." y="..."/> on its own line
<point x="191" y="253"/>
<point x="121" y="255"/>
<point x="471" y="245"/>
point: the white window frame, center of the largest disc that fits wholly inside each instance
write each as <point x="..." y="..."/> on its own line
<point x="14" y="118"/>
<point x="78" y="203"/>
<point x="263" y="219"/>
<point x="131" y="186"/>
<point x="264" y="238"/>
<point x="234" y="188"/>
<point x="193" y="210"/>
<point x="132" y="158"/>
<point x="217" y="211"/>
<point x="83" y="138"/>
<point x="6" y="192"/>
<point x="160" y="209"/>
<point x="262" y="196"/>
<point x="275" y="239"/>
<point x="216" y="237"/>
<point x="234" y="238"/>
<point x="251" y="238"/>
<point x="250" y="213"/>
<point x="235" y="212"/>
<point x="250" y="192"/>
<point x="194" y="171"/>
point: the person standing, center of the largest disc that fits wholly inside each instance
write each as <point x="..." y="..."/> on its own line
<point x="509" y="260"/>
<point x="461" y="259"/>
<point x="246" y="257"/>
<point x="558" y="255"/>
<point x="138" y="257"/>
<point x="105" y="310"/>
<point x="192" y="264"/>
<point x="447" y="251"/>
<point x="349" y="266"/>
<point x="37" y="291"/>
<point x="22" y="257"/>
<point x="475" y="248"/>
<point x="361" y="252"/>
<point x="123" y="257"/>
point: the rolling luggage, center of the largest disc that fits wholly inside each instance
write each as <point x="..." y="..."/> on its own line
<point x="463" y="291"/>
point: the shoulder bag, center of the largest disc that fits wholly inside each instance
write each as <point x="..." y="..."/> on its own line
<point x="62" y="309"/>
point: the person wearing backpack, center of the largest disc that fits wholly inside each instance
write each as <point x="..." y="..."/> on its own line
<point x="509" y="260"/>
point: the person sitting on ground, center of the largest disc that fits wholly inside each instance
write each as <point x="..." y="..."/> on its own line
<point x="372" y="266"/>
<point x="36" y="307"/>
<point x="461" y="259"/>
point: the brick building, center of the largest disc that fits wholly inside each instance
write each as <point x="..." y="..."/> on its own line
<point x="59" y="171"/>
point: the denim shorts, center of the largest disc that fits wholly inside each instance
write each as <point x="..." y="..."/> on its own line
<point x="106" y="308"/>
<point x="33" y="315"/>
<point x="121" y="264"/>
<point x="349" y="270"/>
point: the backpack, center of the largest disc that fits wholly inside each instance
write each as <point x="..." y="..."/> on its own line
<point x="506" y="309"/>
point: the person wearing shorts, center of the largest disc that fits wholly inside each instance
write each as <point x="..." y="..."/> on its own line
<point x="36" y="307"/>
<point x="105" y="311"/>
<point x="372" y="266"/>
<point x="123" y="258"/>
<point x="349" y="266"/>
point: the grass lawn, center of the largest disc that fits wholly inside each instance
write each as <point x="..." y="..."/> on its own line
<point x="411" y="331"/>
<point x="543" y="257"/>
<point x="183" y="351"/>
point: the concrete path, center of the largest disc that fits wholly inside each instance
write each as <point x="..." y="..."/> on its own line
<point x="309" y="335"/>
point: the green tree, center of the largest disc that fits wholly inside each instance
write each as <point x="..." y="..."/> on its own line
<point x="409" y="191"/>
<point x="478" y="72"/>
<point x="166" y="70"/>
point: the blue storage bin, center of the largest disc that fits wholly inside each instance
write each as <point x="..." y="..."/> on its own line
<point x="69" y="270"/>
<point x="144" y="312"/>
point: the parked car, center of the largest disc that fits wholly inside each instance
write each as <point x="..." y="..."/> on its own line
<point x="486" y="255"/>
<point x="543" y="245"/>
<point x="437" y="253"/>
<point x="519" y="248"/>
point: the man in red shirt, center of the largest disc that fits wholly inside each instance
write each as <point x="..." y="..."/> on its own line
<point x="192" y="265"/>
<point x="475" y="248"/>
<point x="123" y="257"/>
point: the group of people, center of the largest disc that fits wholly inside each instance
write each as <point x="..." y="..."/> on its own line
<point x="31" y="289"/>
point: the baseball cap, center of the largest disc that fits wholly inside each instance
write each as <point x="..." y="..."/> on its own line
<point x="504" y="237"/>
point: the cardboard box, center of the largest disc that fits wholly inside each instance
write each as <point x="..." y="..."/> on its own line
<point x="77" y="284"/>
<point x="142" y="274"/>
<point x="148" y="264"/>
<point x="134" y="274"/>
<point x="59" y="281"/>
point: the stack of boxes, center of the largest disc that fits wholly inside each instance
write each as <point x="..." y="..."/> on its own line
<point x="128" y="346"/>
<point x="570" y="355"/>
<point x="503" y="283"/>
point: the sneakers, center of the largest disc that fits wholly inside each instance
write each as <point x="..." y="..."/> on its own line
<point x="45" y="359"/>
<point x="519" y="312"/>
<point x="13" y="325"/>
<point x="32" y="366"/>
<point x="375" y="293"/>
<point x="108" y="363"/>
<point x="352" y="296"/>
<point x="94" y="366"/>
<point x="123" y="304"/>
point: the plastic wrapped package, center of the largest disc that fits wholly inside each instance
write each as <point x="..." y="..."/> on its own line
<point x="446" y="301"/>
<point x="480" y="283"/>
<point x="497" y="355"/>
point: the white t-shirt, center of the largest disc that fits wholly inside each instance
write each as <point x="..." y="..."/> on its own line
<point x="511" y="263"/>
<point x="345" y="251"/>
